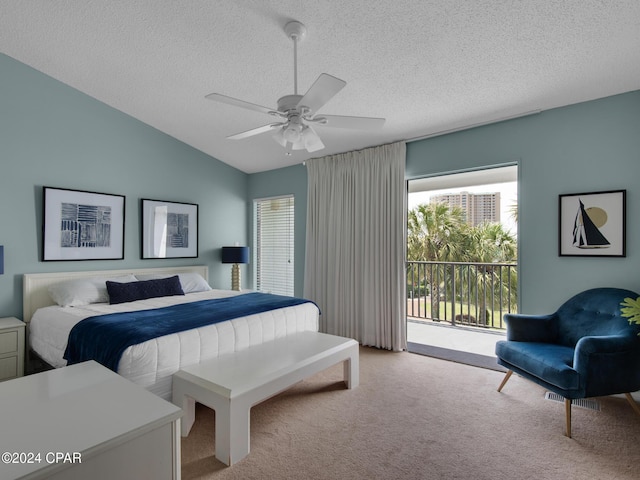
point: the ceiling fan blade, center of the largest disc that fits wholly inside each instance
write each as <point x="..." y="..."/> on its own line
<point x="322" y="90"/>
<point x="255" y="131"/>
<point x="241" y="103"/>
<point x="341" y="121"/>
<point x="311" y="140"/>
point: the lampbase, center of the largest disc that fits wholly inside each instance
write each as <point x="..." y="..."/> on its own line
<point x="235" y="277"/>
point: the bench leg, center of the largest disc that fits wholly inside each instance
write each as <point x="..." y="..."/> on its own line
<point x="352" y="369"/>
<point x="189" y="408"/>
<point x="232" y="432"/>
<point x="188" y="405"/>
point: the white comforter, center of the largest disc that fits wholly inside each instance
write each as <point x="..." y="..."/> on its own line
<point x="151" y="364"/>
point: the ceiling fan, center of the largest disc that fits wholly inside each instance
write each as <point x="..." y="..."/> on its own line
<point x="298" y="113"/>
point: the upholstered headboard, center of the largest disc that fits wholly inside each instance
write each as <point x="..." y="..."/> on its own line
<point x="35" y="286"/>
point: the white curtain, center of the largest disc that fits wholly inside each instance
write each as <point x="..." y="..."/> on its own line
<point x="354" y="266"/>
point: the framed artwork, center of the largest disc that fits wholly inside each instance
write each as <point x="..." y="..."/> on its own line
<point x="169" y="229"/>
<point x="80" y="225"/>
<point x="593" y="224"/>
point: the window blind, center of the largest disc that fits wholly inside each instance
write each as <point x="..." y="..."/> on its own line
<point x="274" y="225"/>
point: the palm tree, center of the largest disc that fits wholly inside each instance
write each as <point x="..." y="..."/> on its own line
<point x="489" y="243"/>
<point x="439" y="233"/>
<point x="435" y="233"/>
<point x="513" y="211"/>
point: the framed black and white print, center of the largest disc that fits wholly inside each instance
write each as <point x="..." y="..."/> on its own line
<point x="593" y="224"/>
<point x="169" y="229"/>
<point x="80" y="225"/>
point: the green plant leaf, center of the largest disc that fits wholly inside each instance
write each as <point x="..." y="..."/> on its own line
<point x="631" y="309"/>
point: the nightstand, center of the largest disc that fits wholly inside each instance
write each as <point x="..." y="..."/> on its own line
<point x="103" y="425"/>
<point x="11" y="348"/>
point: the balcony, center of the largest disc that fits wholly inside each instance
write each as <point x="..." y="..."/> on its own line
<point x="462" y="294"/>
<point x="459" y="344"/>
<point x="468" y="299"/>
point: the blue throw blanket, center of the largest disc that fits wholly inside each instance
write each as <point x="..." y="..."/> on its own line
<point x="104" y="338"/>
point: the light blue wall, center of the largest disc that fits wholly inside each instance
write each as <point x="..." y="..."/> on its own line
<point x="593" y="146"/>
<point x="285" y="181"/>
<point x="52" y="135"/>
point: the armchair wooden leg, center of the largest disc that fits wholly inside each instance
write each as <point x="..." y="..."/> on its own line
<point x="633" y="403"/>
<point x="567" y="409"/>
<point x="505" y="379"/>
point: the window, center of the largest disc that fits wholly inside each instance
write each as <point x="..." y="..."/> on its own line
<point x="273" y="227"/>
<point x="471" y="287"/>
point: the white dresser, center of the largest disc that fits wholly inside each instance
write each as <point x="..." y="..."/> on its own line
<point x="11" y="348"/>
<point x="86" y="422"/>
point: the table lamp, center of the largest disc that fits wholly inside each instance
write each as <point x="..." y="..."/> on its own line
<point x="236" y="256"/>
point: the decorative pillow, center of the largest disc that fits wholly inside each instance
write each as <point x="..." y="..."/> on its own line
<point x="83" y="291"/>
<point x="191" y="282"/>
<point x="130" y="292"/>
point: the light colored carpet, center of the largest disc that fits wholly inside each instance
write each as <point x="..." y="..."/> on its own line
<point x="416" y="417"/>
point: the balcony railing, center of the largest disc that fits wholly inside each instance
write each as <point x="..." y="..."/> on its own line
<point x="460" y="293"/>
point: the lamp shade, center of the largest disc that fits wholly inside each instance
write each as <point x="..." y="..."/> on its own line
<point x="1" y="259"/>
<point x="235" y="254"/>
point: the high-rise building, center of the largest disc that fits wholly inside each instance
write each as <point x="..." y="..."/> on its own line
<point x="477" y="207"/>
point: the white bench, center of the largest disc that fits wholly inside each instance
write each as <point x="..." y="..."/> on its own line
<point x="232" y="383"/>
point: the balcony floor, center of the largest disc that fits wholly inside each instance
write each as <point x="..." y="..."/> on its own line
<point x="458" y="344"/>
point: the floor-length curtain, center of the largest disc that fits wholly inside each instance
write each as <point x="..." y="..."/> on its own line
<point x="354" y="265"/>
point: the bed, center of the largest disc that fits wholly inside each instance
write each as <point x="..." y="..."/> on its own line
<point x="151" y="363"/>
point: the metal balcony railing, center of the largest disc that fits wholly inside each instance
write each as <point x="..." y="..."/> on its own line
<point x="461" y="293"/>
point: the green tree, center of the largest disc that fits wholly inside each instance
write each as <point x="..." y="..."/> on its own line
<point x="491" y="285"/>
<point x="440" y="234"/>
<point x="513" y="211"/>
<point x="489" y="243"/>
<point x="435" y="233"/>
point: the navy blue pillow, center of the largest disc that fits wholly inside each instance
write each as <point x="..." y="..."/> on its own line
<point x="132" y="291"/>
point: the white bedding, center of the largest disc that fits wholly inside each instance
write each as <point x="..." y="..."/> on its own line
<point x="151" y="364"/>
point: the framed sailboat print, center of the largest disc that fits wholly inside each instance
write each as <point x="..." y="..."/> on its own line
<point x="593" y="224"/>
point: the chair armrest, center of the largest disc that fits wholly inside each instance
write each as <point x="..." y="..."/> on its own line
<point x="606" y="344"/>
<point x="531" y="328"/>
<point x="608" y="364"/>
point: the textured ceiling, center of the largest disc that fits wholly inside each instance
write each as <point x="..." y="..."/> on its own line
<point x="427" y="66"/>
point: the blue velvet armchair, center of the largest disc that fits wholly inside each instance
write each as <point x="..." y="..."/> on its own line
<point x="585" y="349"/>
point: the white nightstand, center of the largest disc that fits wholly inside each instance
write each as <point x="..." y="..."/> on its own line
<point x="11" y="348"/>
<point x="105" y="427"/>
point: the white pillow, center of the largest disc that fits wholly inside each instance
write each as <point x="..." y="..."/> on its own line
<point x="191" y="282"/>
<point x="83" y="291"/>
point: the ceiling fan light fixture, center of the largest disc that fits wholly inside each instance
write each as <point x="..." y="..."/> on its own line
<point x="312" y="142"/>
<point x="279" y="137"/>
<point x="296" y="137"/>
<point x="292" y="133"/>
